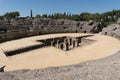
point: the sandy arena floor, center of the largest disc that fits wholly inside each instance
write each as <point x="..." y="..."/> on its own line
<point x="47" y="57"/>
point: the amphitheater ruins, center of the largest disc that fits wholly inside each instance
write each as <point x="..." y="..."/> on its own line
<point x="33" y="43"/>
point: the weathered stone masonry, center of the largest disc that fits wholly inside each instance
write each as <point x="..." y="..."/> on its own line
<point x="24" y="27"/>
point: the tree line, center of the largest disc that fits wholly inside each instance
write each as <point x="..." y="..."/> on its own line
<point x="107" y="17"/>
<point x="10" y="15"/>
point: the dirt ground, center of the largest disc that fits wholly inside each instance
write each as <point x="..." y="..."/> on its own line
<point x="50" y="56"/>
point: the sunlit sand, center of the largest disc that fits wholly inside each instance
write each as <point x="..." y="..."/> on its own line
<point x="50" y="56"/>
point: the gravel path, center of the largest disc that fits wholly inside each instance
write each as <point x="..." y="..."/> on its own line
<point x="103" y="69"/>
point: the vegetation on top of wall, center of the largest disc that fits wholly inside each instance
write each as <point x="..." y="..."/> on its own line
<point x="106" y="17"/>
<point x="11" y="15"/>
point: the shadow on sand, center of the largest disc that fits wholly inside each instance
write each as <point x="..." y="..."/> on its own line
<point x="45" y="43"/>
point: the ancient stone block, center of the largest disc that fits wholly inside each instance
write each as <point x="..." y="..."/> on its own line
<point x="61" y="46"/>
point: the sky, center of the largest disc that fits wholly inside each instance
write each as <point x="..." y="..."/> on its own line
<point x="57" y="6"/>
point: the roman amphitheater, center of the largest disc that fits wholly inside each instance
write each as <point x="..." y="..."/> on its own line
<point x="35" y="54"/>
<point x="43" y="46"/>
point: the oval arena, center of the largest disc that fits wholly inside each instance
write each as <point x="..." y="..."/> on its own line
<point x="55" y="50"/>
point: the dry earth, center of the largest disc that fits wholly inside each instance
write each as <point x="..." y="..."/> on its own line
<point x="51" y="56"/>
<point x="103" y="69"/>
<point x="104" y="64"/>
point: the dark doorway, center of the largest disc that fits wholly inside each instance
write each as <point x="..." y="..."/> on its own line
<point x="85" y="31"/>
<point x="81" y="28"/>
<point x="39" y="33"/>
<point x="105" y="33"/>
<point x="76" y="31"/>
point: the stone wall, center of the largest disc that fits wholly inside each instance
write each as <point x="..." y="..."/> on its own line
<point x="17" y="35"/>
<point x="23" y="27"/>
<point x="112" y="30"/>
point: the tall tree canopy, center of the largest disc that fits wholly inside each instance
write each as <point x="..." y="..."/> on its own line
<point x="11" y="15"/>
<point x="106" y="17"/>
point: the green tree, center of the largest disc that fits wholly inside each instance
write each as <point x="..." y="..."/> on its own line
<point x="75" y="17"/>
<point x="38" y="16"/>
<point x="85" y="16"/>
<point x="11" y="15"/>
<point x="44" y="16"/>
